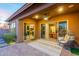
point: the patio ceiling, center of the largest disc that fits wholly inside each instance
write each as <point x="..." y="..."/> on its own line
<point x="44" y="11"/>
<point x="55" y="10"/>
<point x="28" y="10"/>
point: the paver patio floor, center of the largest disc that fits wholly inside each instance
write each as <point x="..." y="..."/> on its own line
<point x="35" y="48"/>
<point x="20" y="49"/>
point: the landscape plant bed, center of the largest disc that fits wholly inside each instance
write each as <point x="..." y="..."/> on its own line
<point x="9" y="38"/>
<point x="75" y="51"/>
<point x="11" y="43"/>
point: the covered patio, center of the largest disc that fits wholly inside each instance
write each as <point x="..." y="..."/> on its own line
<point x="50" y="23"/>
<point x="57" y="23"/>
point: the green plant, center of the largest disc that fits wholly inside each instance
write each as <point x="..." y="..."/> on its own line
<point x="9" y="37"/>
<point x="75" y="51"/>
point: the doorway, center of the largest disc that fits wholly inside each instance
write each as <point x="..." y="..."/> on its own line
<point x="53" y="31"/>
<point x="43" y="31"/>
<point x="29" y="31"/>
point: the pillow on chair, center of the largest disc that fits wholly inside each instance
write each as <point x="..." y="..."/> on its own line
<point x="66" y="38"/>
<point x="60" y="38"/>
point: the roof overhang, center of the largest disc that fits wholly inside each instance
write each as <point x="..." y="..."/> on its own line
<point x="29" y="10"/>
<point x="25" y="6"/>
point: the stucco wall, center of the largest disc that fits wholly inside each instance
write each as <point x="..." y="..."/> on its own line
<point x="73" y="23"/>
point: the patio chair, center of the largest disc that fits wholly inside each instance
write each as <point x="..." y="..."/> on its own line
<point x="66" y="41"/>
<point x="63" y="40"/>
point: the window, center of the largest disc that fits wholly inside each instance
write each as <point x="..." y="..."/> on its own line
<point x="12" y="27"/>
<point x="62" y="28"/>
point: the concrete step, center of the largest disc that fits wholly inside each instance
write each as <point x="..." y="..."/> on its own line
<point x="49" y="43"/>
<point x="51" y="48"/>
<point x="46" y="48"/>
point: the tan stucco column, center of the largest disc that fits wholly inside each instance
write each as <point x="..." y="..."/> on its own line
<point x="47" y="32"/>
<point x="19" y="31"/>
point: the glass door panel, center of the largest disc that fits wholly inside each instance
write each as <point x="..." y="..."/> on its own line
<point x="43" y="28"/>
<point x="29" y="31"/>
<point x="32" y="31"/>
<point x="53" y="31"/>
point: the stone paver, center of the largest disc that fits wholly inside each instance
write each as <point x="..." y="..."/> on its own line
<point x="20" y="49"/>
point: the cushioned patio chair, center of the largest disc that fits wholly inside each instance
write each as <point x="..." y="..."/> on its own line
<point x="66" y="40"/>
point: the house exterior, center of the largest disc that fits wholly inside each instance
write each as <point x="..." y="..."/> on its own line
<point x="46" y="21"/>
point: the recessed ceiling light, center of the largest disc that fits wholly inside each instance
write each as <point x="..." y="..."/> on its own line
<point x="70" y="6"/>
<point x="45" y="18"/>
<point x="60" y="9"/>
<point x="36" y="16"/>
